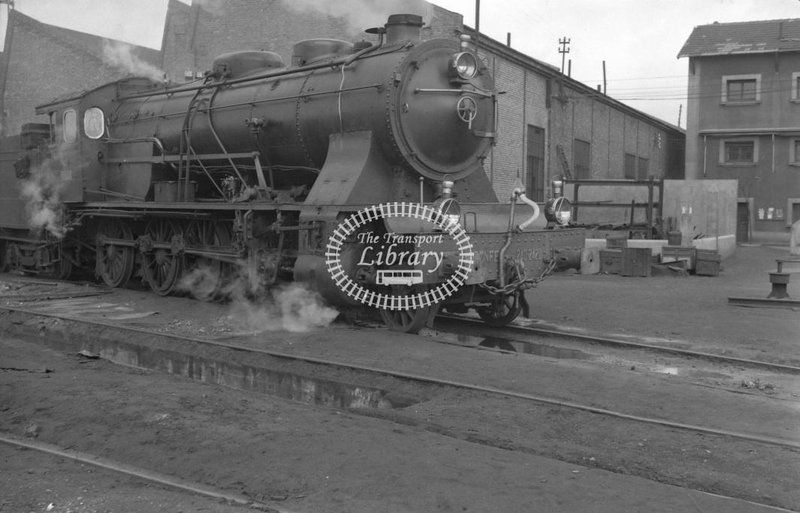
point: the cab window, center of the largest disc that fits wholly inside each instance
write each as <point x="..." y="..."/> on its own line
<point x="93" y="123"/>
<point x="70" y="126"/>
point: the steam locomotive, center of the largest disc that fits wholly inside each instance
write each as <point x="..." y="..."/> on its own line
<point x="257" y="167"/>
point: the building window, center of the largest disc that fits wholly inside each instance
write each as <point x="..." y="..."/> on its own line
<point x="636" y="168"/>
<point x="738" y="151"/>
<point x="741" y="89"/>
<point x="794" y="152"/>
<point x="535" y="163"/>
<point x="582" y="159"/>
<point x="796" y="86"/>
<point x="630" y="166"/>
<point x="644" y="168"/>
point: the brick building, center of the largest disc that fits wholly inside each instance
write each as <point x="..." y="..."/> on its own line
<point x="194" y="35"/>
<point x="542" y="113"/>
<point x="40" y="62"/>
<point x="546" y="118"/>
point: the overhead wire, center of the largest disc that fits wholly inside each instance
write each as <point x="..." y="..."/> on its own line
<point x="679" y="92"/>
<point x="669" y="92"/>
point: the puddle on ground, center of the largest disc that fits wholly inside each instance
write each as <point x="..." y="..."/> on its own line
<point x="662" y="369"/>
<point x="514" y="346"/>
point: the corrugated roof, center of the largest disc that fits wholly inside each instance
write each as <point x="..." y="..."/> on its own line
<point x="743" y="38"/>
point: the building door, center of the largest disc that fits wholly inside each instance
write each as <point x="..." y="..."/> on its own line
<point x="535" y="163"/>
<point x="742" y="222"/>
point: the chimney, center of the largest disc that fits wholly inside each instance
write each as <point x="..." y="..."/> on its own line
<point x="403" y="27"/>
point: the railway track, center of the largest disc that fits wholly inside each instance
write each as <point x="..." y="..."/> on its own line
<point x="429" y="380"/>
<point x="180" y="485"/>
<point x="232" y="479"/>
<point x="460" y="331"/>
<point x="525" y="331"/>
<point x="341" y="377"/>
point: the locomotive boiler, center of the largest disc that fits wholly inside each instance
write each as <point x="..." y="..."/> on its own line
<point x="259" y="165"/>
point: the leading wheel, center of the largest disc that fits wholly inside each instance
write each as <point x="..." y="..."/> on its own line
<point x="503" y="310"/>
<point x="406" y="321"/>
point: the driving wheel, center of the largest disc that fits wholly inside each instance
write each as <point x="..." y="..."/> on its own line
<point x="114" y="259"/>
<point x="162" y="264"/>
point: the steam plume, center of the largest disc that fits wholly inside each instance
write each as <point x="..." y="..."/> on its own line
<point x="254" y="308"/>
<point x="42" y="193"/>
<point x="362" y="14"/>
<point x="121" y="56"/>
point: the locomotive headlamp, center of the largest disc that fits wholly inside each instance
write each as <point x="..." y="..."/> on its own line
<point x="464" y="65"/>
<point x="558" y="210"/>
<point x="451" y="210"/>
<point x="558" y="188"/>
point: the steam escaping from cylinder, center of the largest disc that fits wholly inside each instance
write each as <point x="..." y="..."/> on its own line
<point x="253" y="308"/>
<point x="120" y="56"/>
<point x="41" y="190"/>
<point x="363" y="14"/>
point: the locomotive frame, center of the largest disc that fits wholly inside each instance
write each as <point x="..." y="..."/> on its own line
<point x="253" y="168"/>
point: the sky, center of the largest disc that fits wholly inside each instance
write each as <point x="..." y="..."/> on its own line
<point x="639" y="40"/>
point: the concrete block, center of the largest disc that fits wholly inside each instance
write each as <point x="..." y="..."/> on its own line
<point x="726" y="244"/>
<point x="794" y="241"/>
<point x="596" y="243"/>
<point x="655" y="245"/>
<point x="590" y="260"/>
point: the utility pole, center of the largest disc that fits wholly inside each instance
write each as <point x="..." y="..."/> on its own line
<point x="605" y="82"/>
<point x="563" y="44"/>
<point x="477" y="21"/>
<point x="8" y="5"/>
<point x="5" y="16"/>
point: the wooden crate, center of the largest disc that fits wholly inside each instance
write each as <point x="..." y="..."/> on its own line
<point x="707" y="262"/>
<point x="611" y="261"/>
<point x="671" y="254"/>
<point x="636" y="262"/>
<point x="706" y="268"/>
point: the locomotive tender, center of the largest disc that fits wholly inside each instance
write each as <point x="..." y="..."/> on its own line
<point x="256" y="166"/>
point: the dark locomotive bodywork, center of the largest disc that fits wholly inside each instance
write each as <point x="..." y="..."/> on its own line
<point x="258" y="163"/>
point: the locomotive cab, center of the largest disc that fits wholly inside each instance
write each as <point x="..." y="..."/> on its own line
<point x="66" y="165"/>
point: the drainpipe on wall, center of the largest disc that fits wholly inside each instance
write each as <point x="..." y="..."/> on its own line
<point x="705" y="154"/>
<point x="773" y="153"/>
